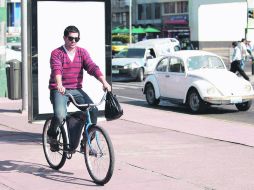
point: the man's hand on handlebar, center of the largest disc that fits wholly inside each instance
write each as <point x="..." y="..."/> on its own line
<point x="104" y="83"/>
<point x="61" y="89"/>
<point x="106" y="87"/>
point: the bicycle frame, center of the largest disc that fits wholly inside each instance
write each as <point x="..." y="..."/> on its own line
<point x="96" y="144"/>
<point x="88" y="122"/>
<point x="87" y="125"/>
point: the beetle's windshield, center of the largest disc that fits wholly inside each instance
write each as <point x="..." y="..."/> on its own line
<point x="205" y="62"/>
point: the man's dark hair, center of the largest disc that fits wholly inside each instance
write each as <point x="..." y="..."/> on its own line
<point x="71" y="29"/>
<point x="234" y="44"/>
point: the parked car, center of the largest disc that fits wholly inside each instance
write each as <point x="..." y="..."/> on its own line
<point x="197" y="79"/>
<point x="12" y="55"/>
<point x="121" y="54"/>
<point x="138" y="61"/>
<point x="117" y="46"/>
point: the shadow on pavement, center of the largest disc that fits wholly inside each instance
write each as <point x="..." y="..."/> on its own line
<point x="9" y="111"/>
<point x="42" y="171"/>
<point x="20" y="137"/>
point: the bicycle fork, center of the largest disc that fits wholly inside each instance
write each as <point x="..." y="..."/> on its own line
<point x="88" y="125"/>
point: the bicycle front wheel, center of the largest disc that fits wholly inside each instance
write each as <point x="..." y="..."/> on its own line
<point x="55" y="159"/>
<point x="99" y="155"/>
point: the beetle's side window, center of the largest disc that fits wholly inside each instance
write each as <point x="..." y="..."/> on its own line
<point x="162" y="66"/>
<point x="216" y="63"/>
<point x="176" y="65"/>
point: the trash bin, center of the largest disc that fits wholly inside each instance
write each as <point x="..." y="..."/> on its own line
<point x="14" y="84"/>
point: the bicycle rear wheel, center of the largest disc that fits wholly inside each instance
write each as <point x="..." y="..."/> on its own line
<point x="55" y="159"/>
<point x="99" y="157"/>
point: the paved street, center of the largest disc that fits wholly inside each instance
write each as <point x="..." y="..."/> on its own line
<point x="155" y="149"/>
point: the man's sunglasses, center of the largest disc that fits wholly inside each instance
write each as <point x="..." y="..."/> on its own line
<point x="73" y="38"/>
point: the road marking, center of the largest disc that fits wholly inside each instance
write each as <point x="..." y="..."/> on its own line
<point x="129" y="84"/>
<point x="122" y="86"/>
<point x="117" y="88"/>
<point x="129" y="98"/>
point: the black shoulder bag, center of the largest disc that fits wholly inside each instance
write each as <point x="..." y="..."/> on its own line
<point x="113" y="109"/>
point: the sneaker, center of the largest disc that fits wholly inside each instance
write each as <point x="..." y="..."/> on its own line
<point x="54" y="146"/>
<point x="52" y="133"/>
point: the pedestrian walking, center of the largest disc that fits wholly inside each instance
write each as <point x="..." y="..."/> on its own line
<point x="244" y="53"/>
<point x="249" y="48"/>
<point x="236" y="61"/>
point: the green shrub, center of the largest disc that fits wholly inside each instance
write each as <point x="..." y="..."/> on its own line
<point x="121" y="37"/>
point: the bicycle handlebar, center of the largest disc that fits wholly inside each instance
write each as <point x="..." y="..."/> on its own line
<point x="86" y="105"/>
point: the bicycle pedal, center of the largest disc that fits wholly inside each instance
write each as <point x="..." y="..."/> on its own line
<point x="92" y="152"/>
<point x="82" y="146"/>
<point x="69" y="156"/>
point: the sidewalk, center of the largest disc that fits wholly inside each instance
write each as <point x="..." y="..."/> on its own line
<point x="11" y="118"/>
<point x="150" y="153"/>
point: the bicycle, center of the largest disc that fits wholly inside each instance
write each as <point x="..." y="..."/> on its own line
<point x="95" y="145"/>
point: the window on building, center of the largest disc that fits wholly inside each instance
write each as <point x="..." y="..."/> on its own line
<point x="157" y="11"/>
<point x="124" y="17"/>
<point x="114" y="17"/>
<point x="169" y="8"/>
<point x="182" y="6"/>
<point x="148" y="11"/>
<point x="141" y="12"/>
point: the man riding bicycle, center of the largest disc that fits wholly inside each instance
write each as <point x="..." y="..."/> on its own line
<point x="67" y="63"/>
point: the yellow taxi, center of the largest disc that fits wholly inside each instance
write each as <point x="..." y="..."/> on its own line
<point x="117" y="46"/>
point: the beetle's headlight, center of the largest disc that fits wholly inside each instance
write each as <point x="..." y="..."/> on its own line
<point x="212" y="91"/>
<point x="131" y="66"/>
<point x="247" y="88"/>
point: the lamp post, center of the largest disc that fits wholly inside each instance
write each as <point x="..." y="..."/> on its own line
<point x="24" y="43"/>
<point x="130" y="22"/>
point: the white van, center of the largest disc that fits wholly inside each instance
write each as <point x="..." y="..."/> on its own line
<point x="165" y="45"/>
<point x="139" y="60"/>
<point x="132" y="64"/>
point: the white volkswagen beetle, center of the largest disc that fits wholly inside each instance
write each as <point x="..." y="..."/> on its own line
<point x="197" y="79"/>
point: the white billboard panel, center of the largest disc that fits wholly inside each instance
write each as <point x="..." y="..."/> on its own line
<point x="222" y="21"/>
<point x="49" y="19"/>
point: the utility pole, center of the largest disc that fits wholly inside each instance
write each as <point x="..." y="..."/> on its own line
<point x="130" y="21"/>
<point x="3" y="79"/>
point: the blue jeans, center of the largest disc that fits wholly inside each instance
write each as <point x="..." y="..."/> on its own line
<point x="59" y="103"/>
<point x="242" y="64"/>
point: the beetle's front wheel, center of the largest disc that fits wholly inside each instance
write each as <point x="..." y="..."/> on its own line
<point x="150" y="96"/>
<point x="195" y="103"/>
<point x="244" y="106"/>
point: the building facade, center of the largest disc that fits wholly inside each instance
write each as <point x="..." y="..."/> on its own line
<point x="120" y="13"/>
<point x="171" y="17"/>
<point x="13" y="17"/>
